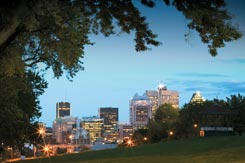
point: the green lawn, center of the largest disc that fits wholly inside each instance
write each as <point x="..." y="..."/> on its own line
<point x="200" y="150"/>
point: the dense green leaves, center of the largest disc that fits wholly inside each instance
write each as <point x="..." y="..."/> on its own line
<point x="214" y="113"/>
<point x="237" y="105"/>
<point x="211" y="20"/>
<point x="140" y="136"/>
<point x="54" y="32"/>
<point x="164" y="119"/>
<point x="19" y="107"/>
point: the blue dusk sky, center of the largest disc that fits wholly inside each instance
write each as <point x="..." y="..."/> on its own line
<point x="114" y="71"/>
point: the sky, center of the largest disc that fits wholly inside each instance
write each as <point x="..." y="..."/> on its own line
<point x="114" y="71"/>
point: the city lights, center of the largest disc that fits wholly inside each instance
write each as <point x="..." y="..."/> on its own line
<point x="70" y="137"/>
<point x="41" y="131"/>
<point x="171" y="133"/>
<point x="129" y="142"/>
<point x="46" y="149"/>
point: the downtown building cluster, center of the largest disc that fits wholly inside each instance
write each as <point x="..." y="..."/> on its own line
<point x="87" y="130"/>
<point x="142" y="108"/>
<point x="105" y="127"/>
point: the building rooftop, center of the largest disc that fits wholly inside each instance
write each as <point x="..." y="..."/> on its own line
<point x="138" y="97"/>
<point x="197" y="97"/>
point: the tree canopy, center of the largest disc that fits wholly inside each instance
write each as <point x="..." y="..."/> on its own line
<point x="216" y="112"/>
<point x="163" y="122"/>
<point x="20" y="108"/>
<point x="54" y="32"/>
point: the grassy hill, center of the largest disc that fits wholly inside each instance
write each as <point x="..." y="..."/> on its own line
<point x="201" y="150"/>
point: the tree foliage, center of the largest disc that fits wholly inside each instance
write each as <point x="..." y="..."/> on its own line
<point x="213" y="113"/>
<point x="55" y="32"/>
<point x="164" y="119"/>
<point x="236" y="103"/>
<point x="19" y="107"/>
<point x="211" y="20"/>
<point x="140" y="136"/>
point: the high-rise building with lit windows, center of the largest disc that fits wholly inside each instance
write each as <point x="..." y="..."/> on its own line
<point x="110" y="117"/>
<point x="166" y="96"/>
<point x="140" y="111"/>
<point x="153" y="97"/>
<point x="63" y="109"/>
<point x="94" y="127"/>
<point x="162" y="96"/>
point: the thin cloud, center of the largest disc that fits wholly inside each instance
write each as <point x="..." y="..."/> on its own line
<point x="234" y="60"/>
<point x="240" y="60"/>
<point x="204" y="75"/>
<point x="209" y="87"/>
<point x="231" y="86"/>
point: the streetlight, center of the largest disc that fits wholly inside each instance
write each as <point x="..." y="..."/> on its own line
<point x="70" y="137"/>
<point x="171" y="133"/>
<point x="41" y="132"/>
<point x="195" y="129"/>
<point x="129" y="142"/>
<point x="46" y="149"/>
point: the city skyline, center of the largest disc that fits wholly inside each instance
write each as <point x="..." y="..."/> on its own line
<point x="114" y="72"/>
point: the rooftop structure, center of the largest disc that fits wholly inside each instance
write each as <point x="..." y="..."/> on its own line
<point x="197" y="98"/>
<point x="63" y="109"/>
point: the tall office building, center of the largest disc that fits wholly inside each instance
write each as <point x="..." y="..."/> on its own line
<point x="63" y="109"/>
<point x="110" y="117"/>
<point x="94" y="127"/>
<point x="167" y="97"/>
<point x="162" y="96"/>
<point x="140" y="111"/>
<point x="153" y="97"/>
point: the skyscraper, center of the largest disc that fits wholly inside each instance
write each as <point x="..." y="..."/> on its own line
<point x="94" y="127"/>
<point x="140" y="111"/>
<point x="153" y="97"/>
<point x="162" y="96"/>
<point x="63" y="109"/>
<point x="110" y="117"/>
<point x="167" y="97"/>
